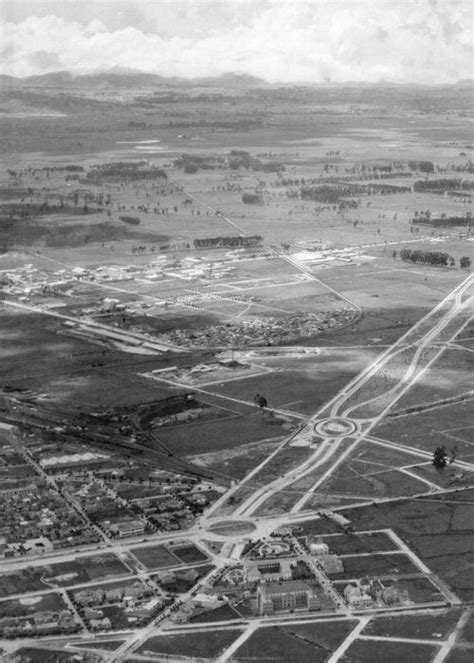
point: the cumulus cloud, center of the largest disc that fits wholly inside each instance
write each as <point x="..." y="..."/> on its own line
<point x="423" y="41"/>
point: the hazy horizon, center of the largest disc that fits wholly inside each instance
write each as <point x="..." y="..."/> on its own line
<point x="311" y="41"/>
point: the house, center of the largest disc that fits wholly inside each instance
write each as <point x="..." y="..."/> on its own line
<point x="100" y="624"/>
<point x="330" y="563"/>
<point x="357" y="597"/>
<point x="316" y="546"/>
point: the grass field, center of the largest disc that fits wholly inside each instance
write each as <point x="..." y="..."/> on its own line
<point x="220" y="434"/>
<point x="376" y="566"/>
<point x="189" y="554"/>
<point x="38" y="655"/>
<point x="22" y="608"/>
<point x="368" y="651"/>
<point x="105" y="645"/>
<point x="156" y="557"/>
<point x="347" y="480"/>
<point x="424" y="626"/>
<point x="459" y="655"/>
<point x="208" y="644"/>
<point x="428" y="525"/>
<point x="296" y="643"/>
<point x="343" y="544"/>
<point x="450" y="425"/>
<point x="63" y="574"/>
<point x="239" y="461"/>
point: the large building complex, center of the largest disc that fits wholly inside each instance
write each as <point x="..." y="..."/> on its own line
<point x="289" y="595"/>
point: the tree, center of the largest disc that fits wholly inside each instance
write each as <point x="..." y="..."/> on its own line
<point x="465" y="262"/>
<point x="440" y="457"/>
<point x="259" y="400"/>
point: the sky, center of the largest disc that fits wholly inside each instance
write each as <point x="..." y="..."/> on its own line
<point x="401" y="41"/>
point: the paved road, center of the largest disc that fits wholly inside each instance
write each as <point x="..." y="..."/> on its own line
<point x="455" y="307"/>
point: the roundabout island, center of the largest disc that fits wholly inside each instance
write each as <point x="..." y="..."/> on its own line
<point x="335" y="427"/>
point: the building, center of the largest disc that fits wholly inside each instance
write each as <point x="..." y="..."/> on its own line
<point x="316" y="546"/>
<point x="290" y="595"/>
<point x="330" y="563"/>
<point x="100" y="624"/>
<point x="357" y="597"/>
<point x="268" y="570"/>
<point x="320" y="551"/>
<point x="124" y="528"/>
<point x="109" y="304"/>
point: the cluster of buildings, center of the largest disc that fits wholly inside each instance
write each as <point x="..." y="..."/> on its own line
<point x="366" y="593"/>
<point x="106" y="509"/>
<point x="46" y="622"/>
<point x="275" y="576"/>
<point x="196" y="375"/>
<point x="284" y="576"/>
<point x="331" y="564"/>
<point x="34" y="520"/>
<point x="27" y="280"/>
<point x="312" y="257"/>
<point x="136" y="601"/>
<point x="260" y="331"/>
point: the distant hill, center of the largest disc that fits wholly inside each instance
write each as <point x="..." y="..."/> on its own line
<point x="130" y="79"/>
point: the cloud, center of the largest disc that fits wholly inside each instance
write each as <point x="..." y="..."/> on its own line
<point x="424" y="41"/>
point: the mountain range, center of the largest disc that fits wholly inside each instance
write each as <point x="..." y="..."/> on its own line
<point x="116" y="79"/>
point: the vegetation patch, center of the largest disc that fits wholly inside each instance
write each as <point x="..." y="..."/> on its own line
<point x="208" y="644"/>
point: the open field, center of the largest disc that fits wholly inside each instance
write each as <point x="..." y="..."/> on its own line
<point x="312" y="641"/>
<point x="376" y="565"/>
<point x="343" y="544"/>
<point x="104" y="645"/>
<point x="429" y="526"/>
<point x="25" y="607"/>
<point x="63" y="574"/>
<point x="46" y="655"/>
<point x="206" y="644"/>
<point x="220" y="434"/>
<point x="450" y="425"/>
<point x="155" y="557"/>
<point x="189" y="554"/>
<point x="366" y="651"/>
<point x="423" y="626"/>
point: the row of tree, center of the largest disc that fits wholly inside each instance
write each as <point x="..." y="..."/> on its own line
<point x="241" y="159"/>
<point x="443" y="221"/>
<point x="437" y="186"/>
<point x="331" y="194"/>
<point x="239" y="241"/>
<point x="426" y="257"/>
<point x="252" y="199"/>
<point x="422" y="166"/>
<point x="123" y="171"/>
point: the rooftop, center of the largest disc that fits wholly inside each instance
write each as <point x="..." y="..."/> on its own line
<point x="285" y="587"/>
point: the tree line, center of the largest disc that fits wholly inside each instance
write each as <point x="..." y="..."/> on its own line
<point x="122" y="170"/>
<point x="443" y="221"/>
<point x="240" y="241"/>
<point x="426" y="257"/>
<point x="437" y="186"/>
